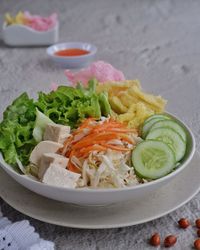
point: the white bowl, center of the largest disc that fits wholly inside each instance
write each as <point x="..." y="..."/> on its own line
<point x="72" y="61"/>
<point x="22" y="35"/>
<point x="102" y="196"/>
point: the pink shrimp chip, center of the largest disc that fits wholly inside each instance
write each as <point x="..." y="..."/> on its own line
<point x="40" y="23"/>
<point x="100" y="70"/>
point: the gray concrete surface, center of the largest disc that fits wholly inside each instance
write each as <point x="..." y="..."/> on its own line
<point x="156" y="41"/>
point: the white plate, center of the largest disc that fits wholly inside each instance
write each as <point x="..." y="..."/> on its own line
<point x="165" y="200"/>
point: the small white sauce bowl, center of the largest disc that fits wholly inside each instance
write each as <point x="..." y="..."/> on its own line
<point x="71" y="62"/>
<point x="22" y="35"/>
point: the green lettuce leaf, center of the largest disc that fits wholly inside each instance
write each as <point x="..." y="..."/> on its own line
<point x="16" y="140"/>
<point x="69" y="106"/>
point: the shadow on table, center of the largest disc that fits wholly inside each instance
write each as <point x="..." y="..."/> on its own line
<point x="2" y="44"/>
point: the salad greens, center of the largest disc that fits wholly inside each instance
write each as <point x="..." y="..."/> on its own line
<point x="23" y="121"/>
<point x="69" y="106"/>
<point x="16" y="140"/>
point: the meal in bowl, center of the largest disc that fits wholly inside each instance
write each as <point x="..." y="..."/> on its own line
<point x="109" y="135"/>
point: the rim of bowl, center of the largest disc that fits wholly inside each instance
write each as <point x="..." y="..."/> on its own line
<point x="91" y="52"/>
<point x="124" y="189"/>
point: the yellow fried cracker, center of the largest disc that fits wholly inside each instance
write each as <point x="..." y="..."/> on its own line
<point x="130" y="104"/>
<point x="18" y="19"/>
<point x="117" y="105"/>
<point x="113" y="88"/>
<point x="126" y="117"/>
<point x="156" y="102"/>
<point x="8" y="19"/>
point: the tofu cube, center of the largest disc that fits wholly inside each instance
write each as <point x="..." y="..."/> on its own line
<point x="56" y="132"/>
<point x="42" y="148"/>
<point x="60" y="177"/>
<point x="51" y="158"/>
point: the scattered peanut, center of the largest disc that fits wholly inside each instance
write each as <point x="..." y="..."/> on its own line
<point x="170" y="240"/>
<point x="155" y="240"/>
<point x="197" y="222"/>
<point x="197" y="244"/>
<point x="183" y="223"/>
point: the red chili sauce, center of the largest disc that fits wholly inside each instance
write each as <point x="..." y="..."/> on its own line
<point x="72" y="52"/>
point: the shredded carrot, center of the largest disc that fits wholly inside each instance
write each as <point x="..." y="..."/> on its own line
<point x="86" y="151"/>
<point x="66" y="144"/>
<point x="126" y="138"/>
<point x="73" y="168"/>
<point x="96" y="139"/>
<point x="117" y="148"/>
<point x="118" y="130"/>
<point x="93" y="148"/>
<point x="85" y="124"/>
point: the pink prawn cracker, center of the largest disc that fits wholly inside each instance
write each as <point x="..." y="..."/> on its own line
<point x="40" y="23"/>
<point x="100" y="70"/>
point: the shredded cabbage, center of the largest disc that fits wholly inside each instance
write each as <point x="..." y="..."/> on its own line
<point x="109" y="170"/>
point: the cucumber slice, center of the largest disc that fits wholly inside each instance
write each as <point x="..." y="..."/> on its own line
<point x="151" y="121"/>
<point x="153" y="159"/>
<point x="170" y="137"/>
<point x="170" y="124"/>
<point x="161" y="116"/>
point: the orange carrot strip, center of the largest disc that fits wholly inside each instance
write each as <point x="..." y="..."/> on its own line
<point x="117" y="148"/>
<point x="66" y="144"/>
<point x="105" y="126"/>
<point x="94" y="139"/>
<point x="86" y="123"/>
<point x="93" y="147"/>
<point x="121" y="130"/>
<point x="73" y="168"/>
<point x="124" y="137"/>
<point x="86" y="151"/>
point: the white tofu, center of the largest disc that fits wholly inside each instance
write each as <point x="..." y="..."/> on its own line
<point x="60" y="177"/>
<point x="51" y="158"/>
<point x="42" y="148"/>
<point x="56" y="132"/>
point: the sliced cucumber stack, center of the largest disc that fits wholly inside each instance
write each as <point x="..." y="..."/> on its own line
<point x="170" y="124"/>
<point x="153" y="159"/>
<point x="149" y="122"/>
<point x="164" y="146"/>
<point x="171" y="138"/>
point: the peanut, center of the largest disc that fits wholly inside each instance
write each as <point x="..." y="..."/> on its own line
<point x="197" y="244"/>
<point x="170" y="240"/>
<point x="155" y="240"/>
<point x="183" y="223"/>
<point x="197" y="222"/>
